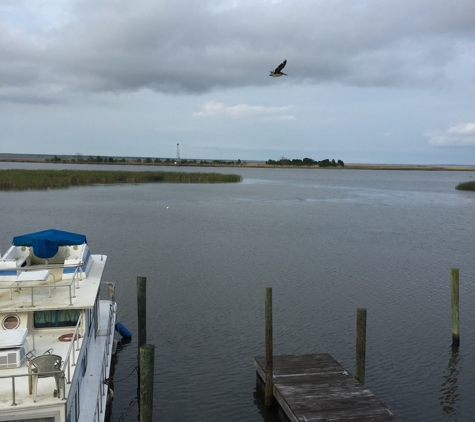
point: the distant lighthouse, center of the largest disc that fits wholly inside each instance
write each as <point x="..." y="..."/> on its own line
<point x="178" y="159"/>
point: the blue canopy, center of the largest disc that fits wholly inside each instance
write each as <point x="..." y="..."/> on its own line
<point x="46" y="243"/>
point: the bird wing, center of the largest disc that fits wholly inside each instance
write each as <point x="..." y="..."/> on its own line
<point x="281" y="66"/>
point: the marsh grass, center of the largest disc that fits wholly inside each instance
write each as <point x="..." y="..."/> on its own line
<point x="466" y="186"/>
<point x="13" y="179"/>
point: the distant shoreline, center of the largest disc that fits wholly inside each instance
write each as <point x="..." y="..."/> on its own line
<point x="18" y="158"/>
<point x="350" y="166"/>
<point x="409" y="167"/>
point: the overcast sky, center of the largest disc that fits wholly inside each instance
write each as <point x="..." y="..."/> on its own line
<point x="369" y="81"/>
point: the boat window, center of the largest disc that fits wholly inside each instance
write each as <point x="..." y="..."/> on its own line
<point x="57" y="318"/>
<point x="10" y="322"/>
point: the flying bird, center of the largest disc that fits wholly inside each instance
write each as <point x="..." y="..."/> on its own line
<point x="278" y="70"/>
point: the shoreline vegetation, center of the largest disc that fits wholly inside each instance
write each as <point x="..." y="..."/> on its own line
<point x="24" y="179"/>
<point x="18" y="179"/>
<point x="306" y="163"/>
<point x="466" y="186"/>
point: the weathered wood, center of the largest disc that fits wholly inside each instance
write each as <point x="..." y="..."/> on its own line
<point x="360" y="344"/>
<point x="147" y="358"/>
<point x="142" y="310"/>
<point x="316" y="388"/>
<point x="454" y="284"/>
<point x="269" y="348"/>
<point x="111" y="291"/>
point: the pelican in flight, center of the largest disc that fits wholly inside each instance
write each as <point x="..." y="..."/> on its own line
<point x="278" y="70"/>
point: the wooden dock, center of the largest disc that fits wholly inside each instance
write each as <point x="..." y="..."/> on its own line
<point x="317" y="388"/>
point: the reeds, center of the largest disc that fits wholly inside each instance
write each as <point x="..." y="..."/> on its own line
<point x="57" y="179"/>
<point x="466" y="186"/>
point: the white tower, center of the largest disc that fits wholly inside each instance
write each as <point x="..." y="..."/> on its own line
<point x="178" y="159"/>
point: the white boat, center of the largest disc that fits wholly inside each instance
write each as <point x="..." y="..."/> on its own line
<point x="56" y="334"/>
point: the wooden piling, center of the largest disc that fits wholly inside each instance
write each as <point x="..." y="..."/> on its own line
<point x="147" y="358"/>
<point x="111" y="291"/>
<point x="360" y="344"/>
<point x="269" y="348"/>
<point x="142" y="310"/>
<point x="454" y="283"/>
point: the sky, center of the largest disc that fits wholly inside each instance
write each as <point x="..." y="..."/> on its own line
<point x="368" y="81"/>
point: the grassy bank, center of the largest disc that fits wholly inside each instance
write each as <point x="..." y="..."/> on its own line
<point x="466" y="186"/>
<point x="44" y="179"/>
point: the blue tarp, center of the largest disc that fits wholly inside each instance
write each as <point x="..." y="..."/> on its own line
<point x="46" y="243"/>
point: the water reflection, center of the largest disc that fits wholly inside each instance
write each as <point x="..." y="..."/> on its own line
<point x="130" y="410"/>
<point x="268" y="414"/>
<point x="450" y="396"/>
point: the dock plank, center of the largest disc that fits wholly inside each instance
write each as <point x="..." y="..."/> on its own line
<point x="317" y="388"/>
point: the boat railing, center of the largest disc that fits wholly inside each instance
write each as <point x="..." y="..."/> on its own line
<point x="70" y="358"/>
<point x="39" y="374"/>
<point x="72" y="285"/>
<point x="65" y="370"/>
<point x="100" y="405"/>
<point x="77" y="266"/>
<point x="33" y="337"/>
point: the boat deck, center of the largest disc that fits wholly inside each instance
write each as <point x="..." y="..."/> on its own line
<point x="50" y="294"/>
<point x="93" y="389"/>
<point x="49" y="339"/>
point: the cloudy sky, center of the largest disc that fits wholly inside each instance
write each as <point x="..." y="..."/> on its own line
<point x="369" y="81"/>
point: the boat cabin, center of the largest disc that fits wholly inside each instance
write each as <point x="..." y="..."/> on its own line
<point x="56" y="333"/>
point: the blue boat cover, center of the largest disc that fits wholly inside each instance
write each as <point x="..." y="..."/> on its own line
<point x="47" y="242"/>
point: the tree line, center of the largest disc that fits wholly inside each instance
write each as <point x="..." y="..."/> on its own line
<point x="306" y="162"/>
<point x="91" y="159"/>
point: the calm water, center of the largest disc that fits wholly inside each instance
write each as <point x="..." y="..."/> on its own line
<point x="326" y="241"/>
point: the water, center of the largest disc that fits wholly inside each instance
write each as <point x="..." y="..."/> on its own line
<point x="326" y="241"/>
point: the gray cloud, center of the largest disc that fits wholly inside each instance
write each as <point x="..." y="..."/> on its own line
<point x="196" y="47"/>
